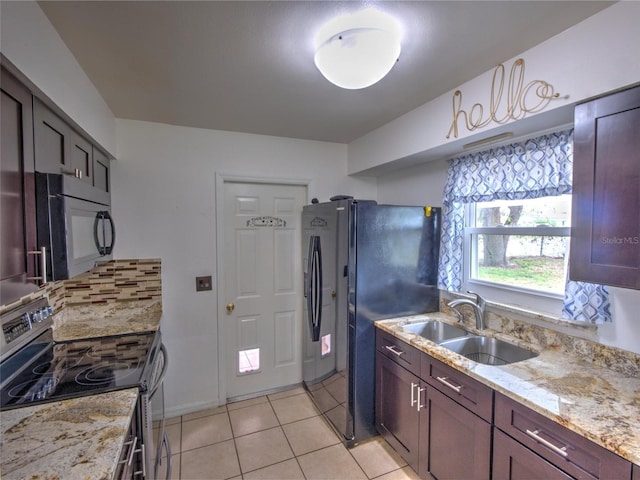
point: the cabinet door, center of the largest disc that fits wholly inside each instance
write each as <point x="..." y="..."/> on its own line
<point x="101" y="171"/>
<point x="513" y="461"/>
<point x="605" y="240"/>
<point x="454" y="443"/>
<point x="17" y="202"/>
<point x="58" y="148"/>
<point x="398" y="394"/>
<point x="80" y="157"/>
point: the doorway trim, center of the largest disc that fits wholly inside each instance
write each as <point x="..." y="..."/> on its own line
<point x="221" y="179"/>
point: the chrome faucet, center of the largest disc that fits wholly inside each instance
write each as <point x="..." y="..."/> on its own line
<point x="478" y="308"/>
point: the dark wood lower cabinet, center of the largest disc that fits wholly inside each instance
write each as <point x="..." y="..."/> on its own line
<point x="570" y="452"/>
<point x="454" y="443"/>
<point x="397" y="415"/>
<point x="513" y="461"/>
<point x="449" y="426"/>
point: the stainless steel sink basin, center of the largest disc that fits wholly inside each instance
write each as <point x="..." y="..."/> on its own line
<point x="488" y="350"/>
<point x="435" y="330"/>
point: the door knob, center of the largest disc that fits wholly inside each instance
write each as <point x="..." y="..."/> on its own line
<point x="230" y="307"/>
<point x="333" y="294"/>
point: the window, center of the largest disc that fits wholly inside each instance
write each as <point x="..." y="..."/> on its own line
<point x="519" y="244"/>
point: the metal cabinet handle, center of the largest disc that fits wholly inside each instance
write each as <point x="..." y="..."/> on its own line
<point x="43" y="264"/>
<point x="416" y="401"/>
<point x="133" y="451"/>
<point x="420" y="405"/>
<point x="394" y="350"/>
<point x="142" y="472"/>
<point x="444" y="381"/>
<point x="559" y="450"/>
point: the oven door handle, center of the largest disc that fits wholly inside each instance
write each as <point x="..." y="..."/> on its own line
<point x="167" y="448"/>
<point x="165" y="364"/>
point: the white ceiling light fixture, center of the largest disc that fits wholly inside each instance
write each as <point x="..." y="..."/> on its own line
<point x="356" y="50"/>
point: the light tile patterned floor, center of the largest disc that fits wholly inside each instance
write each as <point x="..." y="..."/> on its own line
<point x="279" y="437"/>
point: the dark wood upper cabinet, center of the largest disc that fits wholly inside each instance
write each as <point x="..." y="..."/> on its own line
<point x="59" y="148"/>
<point x="605" y="239"/>
<point x="17" y="201"/>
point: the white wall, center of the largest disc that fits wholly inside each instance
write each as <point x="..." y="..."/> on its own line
<point x="425" y="185"/>
<point x="31" y="44"/>
<point x="595" y="56"/>
<point x="164" y="206"/>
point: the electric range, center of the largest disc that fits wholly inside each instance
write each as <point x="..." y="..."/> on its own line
<point x="41" y="370"/>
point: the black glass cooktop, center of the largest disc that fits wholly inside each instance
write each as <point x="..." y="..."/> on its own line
<point x="80" y="367"/>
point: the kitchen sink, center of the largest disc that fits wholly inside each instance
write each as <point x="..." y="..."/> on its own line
<point x="435" y="330"/>
<point x="488" y="350"/>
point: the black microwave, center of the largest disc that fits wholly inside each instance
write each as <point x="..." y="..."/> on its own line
<point x="74" y="230"/>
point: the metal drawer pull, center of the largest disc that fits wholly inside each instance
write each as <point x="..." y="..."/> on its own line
<point x="445" y="381"/>
<point x="128" y="460"/>
<point x="394" y="350"/>
<point x="562" y="451"/>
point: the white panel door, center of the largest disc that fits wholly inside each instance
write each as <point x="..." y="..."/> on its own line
<point x="262" y="260"/>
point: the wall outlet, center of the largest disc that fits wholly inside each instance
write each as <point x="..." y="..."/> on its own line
<point x="203" y="284"/>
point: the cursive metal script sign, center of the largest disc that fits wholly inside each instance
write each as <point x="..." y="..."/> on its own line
<point x="510" y="102"/>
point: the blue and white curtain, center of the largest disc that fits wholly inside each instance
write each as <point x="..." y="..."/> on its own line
<point x="535" y="168"/>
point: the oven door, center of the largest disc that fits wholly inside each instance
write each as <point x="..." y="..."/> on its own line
<point x="156" y="442"/>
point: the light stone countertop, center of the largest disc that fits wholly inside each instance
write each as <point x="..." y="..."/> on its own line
<point x="598" y="403"/>
<point x="80" y="438"/>
<point x="101" y="320"/>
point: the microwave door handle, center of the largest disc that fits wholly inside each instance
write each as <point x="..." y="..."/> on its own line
<point x="99" y="228"/>
<point x="109" y="248"/>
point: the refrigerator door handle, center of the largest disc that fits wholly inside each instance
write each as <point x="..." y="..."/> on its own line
<point x="314" y="287"/>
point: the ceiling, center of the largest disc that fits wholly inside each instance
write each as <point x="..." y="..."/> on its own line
<point x="248" y="66"/>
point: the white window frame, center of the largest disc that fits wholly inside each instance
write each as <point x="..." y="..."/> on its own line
<point x="535" y="300"/>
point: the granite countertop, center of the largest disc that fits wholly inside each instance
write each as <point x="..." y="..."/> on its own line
<point x="72" y="439"/>
<point x="600" y="404"/>
<point x="101" y="320"/>
<point x="81" y="437"/>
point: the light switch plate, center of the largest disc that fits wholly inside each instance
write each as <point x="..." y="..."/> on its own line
<point x="203" y="284"/>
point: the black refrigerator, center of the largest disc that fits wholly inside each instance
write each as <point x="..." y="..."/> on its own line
<point x="362" y="262"/>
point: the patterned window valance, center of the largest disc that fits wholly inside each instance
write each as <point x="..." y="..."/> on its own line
<point x="535" y="168"/>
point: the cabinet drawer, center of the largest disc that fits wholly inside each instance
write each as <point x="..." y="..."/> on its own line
<point x="460" y="387"/>
<point x="400" y="352"/>
<point x="567" y="450"/>
<point x="514" y="461"/>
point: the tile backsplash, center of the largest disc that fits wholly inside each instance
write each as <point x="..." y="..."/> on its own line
<point x="108" y="282"/>
<point x="116" y="281"/>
